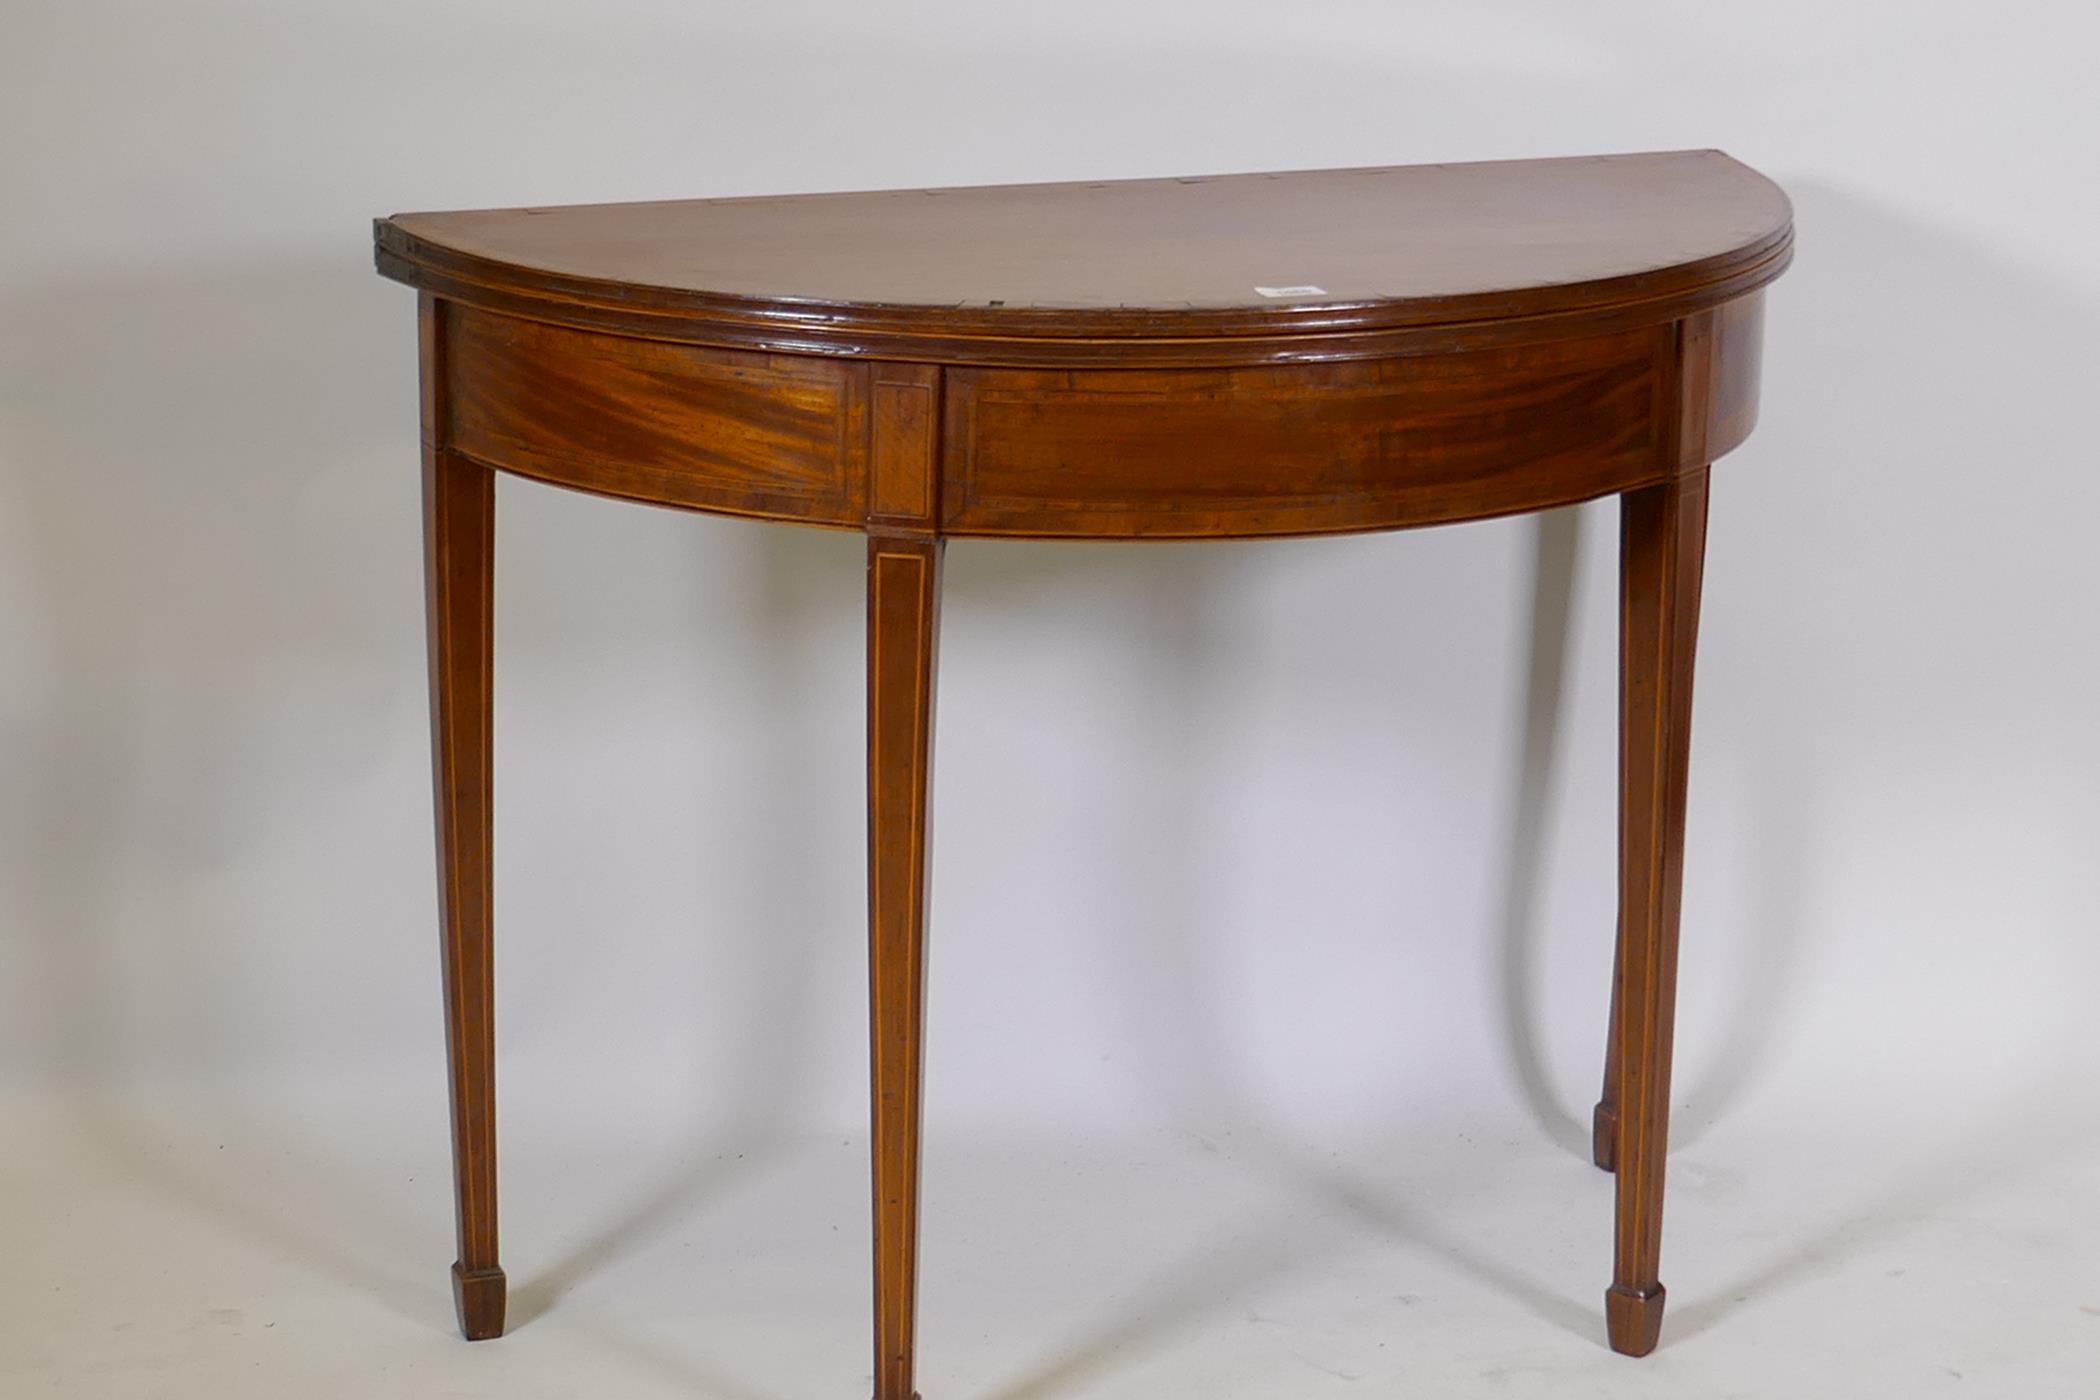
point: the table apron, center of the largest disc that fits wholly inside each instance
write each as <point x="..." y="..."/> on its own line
<point x="1274" y="449"/>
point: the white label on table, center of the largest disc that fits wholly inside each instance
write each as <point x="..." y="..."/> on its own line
<point x="1306" y="291"/>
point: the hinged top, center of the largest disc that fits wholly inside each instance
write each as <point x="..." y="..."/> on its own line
<point x="980" y="273"/>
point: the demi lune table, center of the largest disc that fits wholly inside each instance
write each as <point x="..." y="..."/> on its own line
<point x="1238" y="356"/>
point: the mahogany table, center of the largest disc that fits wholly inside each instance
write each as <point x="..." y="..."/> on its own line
<point x="1229" y="357"/>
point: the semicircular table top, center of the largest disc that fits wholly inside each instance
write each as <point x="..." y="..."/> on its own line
<point x="1301" y="254"/>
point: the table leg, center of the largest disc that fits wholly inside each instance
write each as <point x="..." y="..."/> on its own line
<point x="904" y="582"/>
<point x="459" y="500"/>
<point x="1604" y="1123"/>
<point x="1662" y="548"/>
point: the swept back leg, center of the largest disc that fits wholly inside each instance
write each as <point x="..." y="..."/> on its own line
<point x="1604" y="1123"/>
<point x="459" y="500"/>
<point x="904" y="581"/>
<point x="1662" y="549"/>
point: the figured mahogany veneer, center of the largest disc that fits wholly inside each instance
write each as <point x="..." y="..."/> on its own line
<point x="1370" y="444"/>
<point x="1234" y="356"/>
<point x="733" y="431"/>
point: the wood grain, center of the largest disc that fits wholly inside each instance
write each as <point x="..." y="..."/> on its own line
<point x="1301" y="449"/>
<point x="1168" y="269"/>
<point x="1662" y="552"/>
<point x="723" y="430"/>
<point x="1734" y="368"/>
<point x="904" y="582"/>
<point x="459" y="505"/>
<point x="904" y="473"/>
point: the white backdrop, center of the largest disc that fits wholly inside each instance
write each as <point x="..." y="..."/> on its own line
<point x="1306" y="842"/>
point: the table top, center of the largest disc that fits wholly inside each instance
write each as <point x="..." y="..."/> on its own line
<point x="1229" y="356"/>
<point x="1284" y="254"/>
